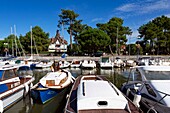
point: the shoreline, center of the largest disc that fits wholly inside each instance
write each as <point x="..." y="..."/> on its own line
<point x="123" y="57"/>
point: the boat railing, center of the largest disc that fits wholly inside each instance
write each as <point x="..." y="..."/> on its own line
<point x="113" y="88"/>
<point x="158" y="101"/>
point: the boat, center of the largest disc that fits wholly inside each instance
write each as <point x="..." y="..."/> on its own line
<point x="25" y="69"/>
<point x="130" y="63"/>
<point x="75" y="63"/>
<point x="63" y="64"/>
<point x="145" y="61"/>
<point x="95" y="94"/>
<point x="118" y="63"/>
<point x="149" y="88"/>
<point x="13" y="87"/>
<point x="44" y="65"/>
<point x="88" y="64"/>
<point x="105" y="62"/>
<point x="51" y="85"/>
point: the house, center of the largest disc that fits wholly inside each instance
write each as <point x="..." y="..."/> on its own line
<point x="58" y="44"/>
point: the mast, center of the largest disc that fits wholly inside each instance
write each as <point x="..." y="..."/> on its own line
<point x="117" y="43"/>
<point x="15" y="39"/>
<point x="31" y="40"/>
<point x="12" y="44"/>
<point x="129" y="46"/>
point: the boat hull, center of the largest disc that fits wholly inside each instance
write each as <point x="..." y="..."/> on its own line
<point x="105" y="65"/>
<point x="13" y="98"/>
<point x="42" y="94"/>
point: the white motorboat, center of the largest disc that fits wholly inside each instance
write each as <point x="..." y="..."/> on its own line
<point x="75" y="63"/>
<point x="130" y="63"/>
<point x="44" y="65"/>
<point x="88" y="64"/>
<point x="105" y="62"/>
<point x="63" y="64"/>
<point x="150" y="89"/>
<point x="118" y="63"/>
<point x="95" y="94"/>
<point x="13" y="87"/>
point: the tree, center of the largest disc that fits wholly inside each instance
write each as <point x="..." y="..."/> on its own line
<point x="67" y="17"/>
<point x="40" y="40"/>
<point x="156" y="33"/>
<point x="116" y="31"/>
<point x="92" y="40"/>
<point x="13" y="45"/>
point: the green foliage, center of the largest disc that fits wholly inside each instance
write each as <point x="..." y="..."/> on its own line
<point x="156" y="33"/>
<point x="92" y="40"/>
<point x="40" y="40"/>
<point x="116" y="31"/>
<point x="67" y="17"/>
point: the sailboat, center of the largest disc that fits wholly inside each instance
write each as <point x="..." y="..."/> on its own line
<point x="31" y="61"/>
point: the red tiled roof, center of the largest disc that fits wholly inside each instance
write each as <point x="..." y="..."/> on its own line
<point x="59" y="38"/>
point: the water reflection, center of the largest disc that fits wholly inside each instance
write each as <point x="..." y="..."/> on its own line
<point x="115" y="75"/>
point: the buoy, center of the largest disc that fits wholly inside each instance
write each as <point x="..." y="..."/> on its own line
<point x="137" y="98"/>
<point x="1" y="106"/>
<point x="26" y="89"/>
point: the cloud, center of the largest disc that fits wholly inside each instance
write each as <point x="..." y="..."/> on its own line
<point x="168" y="15"/>
<point x="133" y="38"/>
<point x="146" y="6"/>
<point x="96" y="19"/>
<point x="127" y="7"/>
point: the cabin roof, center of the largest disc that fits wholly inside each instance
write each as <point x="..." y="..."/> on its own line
<point x="92" y="93"/>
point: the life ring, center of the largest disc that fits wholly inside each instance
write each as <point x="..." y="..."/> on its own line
<point x="26" y="89"/>
<point x="1" y="106"/>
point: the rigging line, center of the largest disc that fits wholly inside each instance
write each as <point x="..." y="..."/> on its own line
<point x="35" y="46"/>
<point x="22" y="48"/>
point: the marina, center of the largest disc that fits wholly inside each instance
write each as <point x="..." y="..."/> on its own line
<point x="116" y="76"/>
<point x="53" y="83"/>
<point x="85" y="56"/>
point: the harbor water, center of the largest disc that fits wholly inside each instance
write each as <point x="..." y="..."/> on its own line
<point x="56" y="105"/>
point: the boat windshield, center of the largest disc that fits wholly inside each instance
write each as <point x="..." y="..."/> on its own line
<point x="105" y="59"/>
<point x="156" y="75"/>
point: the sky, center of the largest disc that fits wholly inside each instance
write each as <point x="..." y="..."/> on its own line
<point x="44" y="13"/>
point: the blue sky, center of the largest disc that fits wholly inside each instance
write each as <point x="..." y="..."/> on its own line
<point x="44" y="13"/>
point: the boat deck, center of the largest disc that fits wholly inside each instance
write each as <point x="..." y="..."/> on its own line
<point x="71" y="105"/>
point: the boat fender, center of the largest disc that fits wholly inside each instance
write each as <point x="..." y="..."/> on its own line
<point x="137" y="98"/>
<point x="1" y="106"/>
<point x="26" y="89"/>
<point x="31" y="85"/>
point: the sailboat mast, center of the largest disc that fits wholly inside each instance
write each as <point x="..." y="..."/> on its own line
<point x="12" y="44"/>
<point x="31" y="39"/>
<point x="15" y="39"/>
<point x="117" y="43"/>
